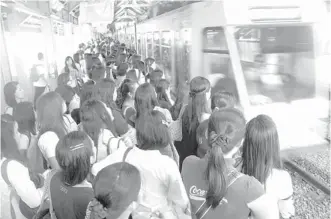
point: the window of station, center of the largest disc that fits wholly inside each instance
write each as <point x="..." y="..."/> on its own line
<point x="139" y="44"/>
<point x="216" y="60"/>
<point x="143" y="46"/>
<point x="156" y="49"/>
<point x="277" y="62"/>
<point x="166" y="52"/>
<point x="182" y="45"/>
<point x="149" y="45"/>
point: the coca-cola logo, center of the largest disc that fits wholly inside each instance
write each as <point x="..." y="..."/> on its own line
<point x="197" y="192"/>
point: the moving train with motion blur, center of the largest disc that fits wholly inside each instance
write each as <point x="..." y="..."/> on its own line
<point x="271" y="54"/>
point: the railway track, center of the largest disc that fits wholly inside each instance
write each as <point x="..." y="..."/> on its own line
<point x="310" y="172"/>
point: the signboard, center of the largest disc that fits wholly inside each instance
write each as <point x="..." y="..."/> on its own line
<point x="96" y="12"/>
<point x="58" y="28"/>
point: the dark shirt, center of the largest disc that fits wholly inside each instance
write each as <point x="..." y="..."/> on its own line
<point x="69" y="202"/>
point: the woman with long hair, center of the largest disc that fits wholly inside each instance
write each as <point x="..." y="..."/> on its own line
<point x="98" y="122"/>
<point x="261" y="159"/>
<point x="105" y="91"/>
<point x="145" y="102"/>
<point x="70" y="191"/>
<point x="181" y="101"/>
<point x="70" y="97"/>
<point x="13" y="94"/>
<point x="53" y="124"/>
<point x="125" y="97"/>
<point x="25" y="117"/>
<point x="163" y="94"/>
<point x="215" y="186"/>
<point x="154" y="143"/>
<point x="197" y="111"/>
<point x="118" y="199"/>
<point x="70" y="67"/>
<point x="25" y="187"/>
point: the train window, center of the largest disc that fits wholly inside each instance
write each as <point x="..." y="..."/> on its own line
<point x="156" y="49"/>
<point x="138" y="43"/>
<point x="214" y="40"/>
<point x="182" y="45"/>
<point x="143" y="46"/>
<point x="166" y="38"/>
<point x="280" y="66"/>
<point x="149" y="45"/>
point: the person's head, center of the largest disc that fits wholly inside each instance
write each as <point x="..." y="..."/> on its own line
<point x="96" y="116"/>
<point x="87" y="91"/>
<point x="145" y="99"/>
<point x="69" y="96"/>
<point x="163" y="90"/>
<point x="222" y="99"/>
<point x="13" y="93"/>
<point x="98" y="72"/>
<point x="226" y="129"/>
<point x="63" y="79"/>
<point x="155" y="76"/>
<point x="76" y="57"/>
<point x="132" y="75"/>
<point x="105" y="91"/>
<point x="127" y="90"/>
<point x="199" y="101"/>
<point x="50" y="110"/>
<point x="40" y="56"/>
<point x="69" y="62"/>
<point x="75" y="153"/>
<point x="116" y="188"/>
<point x="261" y="148"/>
<point x="25" y="117"/>
<point x="122" y="69"/>
<point x="10" y="139"/>
<point x="152" y="131"/>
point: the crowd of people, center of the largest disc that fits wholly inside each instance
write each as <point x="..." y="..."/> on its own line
<point x="114" y="141"/>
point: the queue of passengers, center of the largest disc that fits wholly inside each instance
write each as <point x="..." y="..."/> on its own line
<point x="113" y="142"/>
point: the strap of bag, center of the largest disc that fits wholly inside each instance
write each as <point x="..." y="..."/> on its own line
<point x="126" y="154"/>
<point x="4" y="171"/>
<point x="204" y="208"/>
<point x="181" y="112"/>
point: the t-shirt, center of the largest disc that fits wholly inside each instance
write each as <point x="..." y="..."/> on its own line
<point x="69" y="202"/>
<point x="242" y="191"/>
<point x="202" y="139"/>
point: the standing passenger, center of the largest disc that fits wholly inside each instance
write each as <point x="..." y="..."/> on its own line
<point x="14" y="94"/>
<point x="215" y="187"/>
<point x="261" y="159"/>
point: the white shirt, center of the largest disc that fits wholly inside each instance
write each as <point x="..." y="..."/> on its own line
<point x="162" y="184"/>
<point x="19" y="178"/>
<point x="279" y="187"/>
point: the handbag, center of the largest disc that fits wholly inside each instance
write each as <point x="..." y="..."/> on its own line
<point x="46" y="210"/>
<point x="176" y="126"/>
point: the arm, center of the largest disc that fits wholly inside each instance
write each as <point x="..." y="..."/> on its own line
<point x="47" y="144"/>
<point x="19" y="178"/>
<point x="285" y="202"/>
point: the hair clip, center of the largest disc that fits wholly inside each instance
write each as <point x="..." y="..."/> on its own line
<point x="75" y="147"/>
<point x="165" y="123"/>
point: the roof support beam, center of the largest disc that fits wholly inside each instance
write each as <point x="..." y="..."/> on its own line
<point x="27" y="18"/>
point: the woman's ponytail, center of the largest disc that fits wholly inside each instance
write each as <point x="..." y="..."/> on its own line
<point x="215" y="175"/>
<point x="95" y="210"/>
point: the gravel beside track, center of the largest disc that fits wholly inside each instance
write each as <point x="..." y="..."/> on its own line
<point x="316" y="163"/>
<point x="309" y="202"/>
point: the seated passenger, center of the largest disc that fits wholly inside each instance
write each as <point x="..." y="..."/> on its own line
<point x="215" y="187"/>
<point x="116" y="189"/>
<point x="54" y="124"/>
<point x="219" y="100"/>
<point x="70" y="191"/>
<point x="25" y="188"/>
<point x="13" y="94"/>
<point x="261" y="159"/>
<point x="154" y="143"/>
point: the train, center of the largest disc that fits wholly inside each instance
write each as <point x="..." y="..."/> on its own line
<point x="271" y="54"/>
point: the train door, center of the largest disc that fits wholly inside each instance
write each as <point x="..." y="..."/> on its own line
<point x="156" y="47"/>
<point x="143" y="46"/>
<point x="167" y="57"/>
<point x="183" y="46"/>
<point x="149" y="42"/>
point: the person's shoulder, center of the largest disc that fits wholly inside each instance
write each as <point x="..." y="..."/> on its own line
<point x="47" y="136"/>
<point x="192" y="161"/>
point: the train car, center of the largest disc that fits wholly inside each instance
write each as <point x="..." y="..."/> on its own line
<point x="268" y="53"/>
